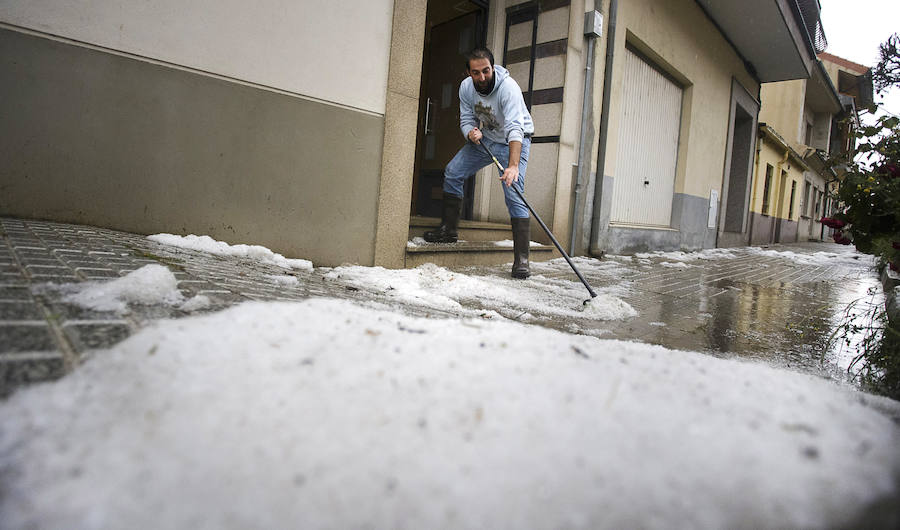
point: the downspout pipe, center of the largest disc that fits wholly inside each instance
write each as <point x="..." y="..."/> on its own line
<point x="595" y="249"/>
<point x="753" y="195"/>
<point x="586" y="103"/>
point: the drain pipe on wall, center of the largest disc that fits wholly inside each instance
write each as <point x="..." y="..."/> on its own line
<point x="604" y="127"/>
<point x="755" y="181"/>
<point x="593" y="28"/>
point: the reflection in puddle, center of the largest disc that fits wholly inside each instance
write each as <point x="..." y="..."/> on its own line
<point x="788" y="325"/>
<point x="778" y="307"/>
<point x="852" y="324"/>
<point x="792" y="326"/>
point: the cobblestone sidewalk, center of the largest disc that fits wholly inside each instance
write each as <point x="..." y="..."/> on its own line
<point x="41" y="337"/>
<point x="751" y="305"/>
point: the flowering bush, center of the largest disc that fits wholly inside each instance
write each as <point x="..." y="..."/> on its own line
<point x="870" y="192"/>
<point x="841" y="239"/>
<point x="837" y="224"/>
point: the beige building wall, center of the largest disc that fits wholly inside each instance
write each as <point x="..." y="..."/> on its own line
<point x="801" y="113"/>
<point x="783" y="209"/>
<point x="152" y="117"/>
<point x="832" y="70"/>
<point x="774" y="155"/>
<point x="679" y="37"/>
<point x="333" y="51"/>
<point x="783" y="108"/>
<point x="832" y="67"/>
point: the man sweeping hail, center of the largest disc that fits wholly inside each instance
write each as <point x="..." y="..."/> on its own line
<point x="491" y="110"/>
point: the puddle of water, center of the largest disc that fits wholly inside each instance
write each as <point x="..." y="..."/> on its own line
<point x="857" y="308"/>
<point x="787" y="325"/>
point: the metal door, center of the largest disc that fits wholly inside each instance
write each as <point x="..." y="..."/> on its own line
<point x="648" y="145"/>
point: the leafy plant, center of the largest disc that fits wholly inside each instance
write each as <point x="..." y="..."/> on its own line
<point x="866" y="330"/>
<point x="887" y="72"/>
<point x="870" y="192"/>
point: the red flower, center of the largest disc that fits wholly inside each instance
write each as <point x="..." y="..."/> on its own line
<point x="832" y="223"/>
<point x="889" y="170"/>
<point x="840" y="239"/>
<point x="896" y="245"/>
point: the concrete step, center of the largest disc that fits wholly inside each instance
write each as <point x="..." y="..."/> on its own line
<point x="468" y="230"/>
<point x="469" y="253"/>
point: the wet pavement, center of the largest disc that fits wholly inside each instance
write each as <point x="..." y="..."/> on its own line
<point x="751" y="305"/>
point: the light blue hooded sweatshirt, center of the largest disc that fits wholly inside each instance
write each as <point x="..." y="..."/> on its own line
<point x="501" y="116"/>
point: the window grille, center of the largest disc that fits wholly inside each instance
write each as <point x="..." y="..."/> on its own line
<point x="810" y="11"/>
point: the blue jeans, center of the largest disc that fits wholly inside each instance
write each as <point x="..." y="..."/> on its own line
<point x="472" y="157"/>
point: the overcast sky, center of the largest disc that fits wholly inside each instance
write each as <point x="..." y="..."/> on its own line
<point x="854" y="30"/>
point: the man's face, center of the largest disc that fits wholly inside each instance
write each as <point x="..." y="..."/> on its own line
<point x="482" y="73"/>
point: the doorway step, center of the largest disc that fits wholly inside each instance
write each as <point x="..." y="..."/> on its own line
<point x="478" y="245"/>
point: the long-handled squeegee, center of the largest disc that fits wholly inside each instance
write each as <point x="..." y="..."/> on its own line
<point x="541" y="222"/>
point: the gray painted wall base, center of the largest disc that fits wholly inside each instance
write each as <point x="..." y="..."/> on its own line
<point x="690" y="215"/>
<point x="764" y="230"/>
<point x="689" y="223"/>
<point x="788" y="231"/>
<point x="732" y="239"/>
<point x="96" y="138"/>
<point x="804" y="233"/>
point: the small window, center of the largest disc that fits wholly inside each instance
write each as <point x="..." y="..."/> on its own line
<point x="767" y="188"/>
<point x="791" y="204"/>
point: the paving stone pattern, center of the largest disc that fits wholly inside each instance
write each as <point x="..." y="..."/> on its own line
<point x="42" y="338"/>
<point x="751" y="306"/>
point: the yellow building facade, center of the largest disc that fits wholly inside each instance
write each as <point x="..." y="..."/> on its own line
<point x="775" y="194"/>
<point x="799" y="121"/>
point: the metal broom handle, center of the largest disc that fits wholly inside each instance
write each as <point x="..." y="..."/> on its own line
<point x="540" y="222"/>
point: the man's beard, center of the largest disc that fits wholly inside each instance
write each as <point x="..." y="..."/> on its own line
<point x="486" y="87"/>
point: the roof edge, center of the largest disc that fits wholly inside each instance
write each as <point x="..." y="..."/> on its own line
<point x="846" y="63"/>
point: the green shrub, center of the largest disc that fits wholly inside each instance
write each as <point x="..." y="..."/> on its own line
<point x="870" y="192"/>
<point x="870" y="197"/>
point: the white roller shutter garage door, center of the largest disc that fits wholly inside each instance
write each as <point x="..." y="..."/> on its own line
<point x="648" y="146"/>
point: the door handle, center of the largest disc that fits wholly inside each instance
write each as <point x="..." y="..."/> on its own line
<point x="428" y="105"/>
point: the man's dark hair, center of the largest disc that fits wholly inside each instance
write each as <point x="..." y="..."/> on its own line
<point x="479" y="53"/>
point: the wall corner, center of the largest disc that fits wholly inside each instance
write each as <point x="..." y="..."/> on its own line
<point x="400" y="119"/>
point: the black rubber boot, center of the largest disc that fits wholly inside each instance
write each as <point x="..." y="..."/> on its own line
<point x="446" y="233"/>
<point x="521" y="229"/>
